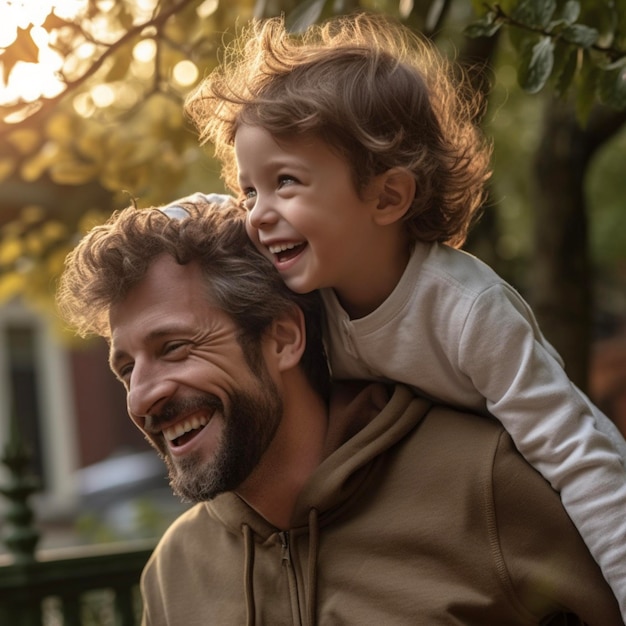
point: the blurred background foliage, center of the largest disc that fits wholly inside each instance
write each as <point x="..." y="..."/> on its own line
<point x="91" y="94"/>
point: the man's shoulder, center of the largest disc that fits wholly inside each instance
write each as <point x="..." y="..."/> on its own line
<point x="462" y="429"/>
<point x="184" y="527"/>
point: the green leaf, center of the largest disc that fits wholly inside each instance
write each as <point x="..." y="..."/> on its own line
<point x="484" y="27"/>
<point x="565" y="65"/>
<point x="570" y="11"/>
<point x="536" y="65"/>
<point x="534" y="13"/>
<point x="305" y="14"/>
<point x="580" y="35"/>
<point x="612" y="88"/>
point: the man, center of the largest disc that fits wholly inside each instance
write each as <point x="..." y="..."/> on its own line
<point x="361" y="506"/>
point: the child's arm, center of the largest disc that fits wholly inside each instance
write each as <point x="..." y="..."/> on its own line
<point x="552" y="423"/>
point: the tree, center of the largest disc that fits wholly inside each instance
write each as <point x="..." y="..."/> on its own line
<point x="113" y="130"/>
<point x="579" y="51"/>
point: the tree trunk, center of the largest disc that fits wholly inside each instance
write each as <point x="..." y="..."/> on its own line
<point x="561" y="278"/>
<point x="561" y="275"/>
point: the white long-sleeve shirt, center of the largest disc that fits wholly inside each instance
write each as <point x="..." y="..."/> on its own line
<point x="456" y="332"/>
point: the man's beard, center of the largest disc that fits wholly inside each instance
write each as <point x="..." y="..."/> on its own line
<point x="249" y="428"/>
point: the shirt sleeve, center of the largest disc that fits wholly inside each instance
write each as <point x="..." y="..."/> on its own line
<point x="551" y="424"/>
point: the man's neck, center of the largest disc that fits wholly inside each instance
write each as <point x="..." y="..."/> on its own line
<point x="293" y="455"/>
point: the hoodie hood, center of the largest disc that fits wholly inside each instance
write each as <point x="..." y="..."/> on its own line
<point x="364" y="423"/>
<point x="365" y="420"/>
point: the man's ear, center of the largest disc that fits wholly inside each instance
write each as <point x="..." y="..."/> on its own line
<point x="287" y="337"/>
<point x="396" y="192"/>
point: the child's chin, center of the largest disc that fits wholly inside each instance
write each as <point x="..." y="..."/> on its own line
<point x="298" y="287"/>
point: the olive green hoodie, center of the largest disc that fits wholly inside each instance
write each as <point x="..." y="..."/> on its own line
<point x="418" y="515"/>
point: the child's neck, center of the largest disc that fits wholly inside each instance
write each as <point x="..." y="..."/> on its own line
<point x="360" y="298"/>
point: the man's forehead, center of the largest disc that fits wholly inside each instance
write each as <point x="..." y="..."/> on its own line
<point x="167" y="291"/>
<point x="165" y="277"/>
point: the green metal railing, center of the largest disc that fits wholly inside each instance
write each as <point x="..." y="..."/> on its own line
<point x="86" y="586"/>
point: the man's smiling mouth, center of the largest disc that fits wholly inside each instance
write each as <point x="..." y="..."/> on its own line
<point x="184" y="431"/>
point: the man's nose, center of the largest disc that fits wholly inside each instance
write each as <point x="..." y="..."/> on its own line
<point x="147" y="392"/>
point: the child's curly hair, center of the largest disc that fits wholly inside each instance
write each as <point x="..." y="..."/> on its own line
<point x="377" y="93"/>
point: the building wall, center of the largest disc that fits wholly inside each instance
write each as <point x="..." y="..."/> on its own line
<point x="103" y="426"/>
<point x="70" y="409"/>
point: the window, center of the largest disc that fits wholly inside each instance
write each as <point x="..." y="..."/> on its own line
<point x="35" y="385"/>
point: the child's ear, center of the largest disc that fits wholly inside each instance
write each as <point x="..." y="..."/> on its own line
<point x="287" y="339"/>
<point x="396" y="192"/>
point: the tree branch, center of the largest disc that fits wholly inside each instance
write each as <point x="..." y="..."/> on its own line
<point x="46" y="104"/>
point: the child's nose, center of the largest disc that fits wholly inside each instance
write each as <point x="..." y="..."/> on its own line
<point x="262" y="214"/>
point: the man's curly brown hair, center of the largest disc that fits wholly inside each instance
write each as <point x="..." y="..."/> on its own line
<point x="113" y="257"/>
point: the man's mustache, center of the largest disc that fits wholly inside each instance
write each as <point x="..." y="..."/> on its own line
<point x="176" y="407"/>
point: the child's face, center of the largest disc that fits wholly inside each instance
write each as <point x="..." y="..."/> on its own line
<point x="305" y="213"/>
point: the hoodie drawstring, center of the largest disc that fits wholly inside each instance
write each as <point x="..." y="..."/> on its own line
<point x="312" y="570"/>
<point x="248" y="581"/>
<point x="248" y="574"/>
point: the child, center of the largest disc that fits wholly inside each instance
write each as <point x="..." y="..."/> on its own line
<point x="357" y="151"/>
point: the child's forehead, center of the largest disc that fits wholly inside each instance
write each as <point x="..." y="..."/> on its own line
<point x="303" y="145"/>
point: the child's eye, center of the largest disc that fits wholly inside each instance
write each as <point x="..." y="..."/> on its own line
<point x="249" y="197"/>
<point x="285" y="180"/>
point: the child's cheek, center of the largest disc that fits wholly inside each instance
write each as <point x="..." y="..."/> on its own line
<point x="253" y="234"/>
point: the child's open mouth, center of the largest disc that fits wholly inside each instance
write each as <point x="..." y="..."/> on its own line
<point x="285" y="251"/>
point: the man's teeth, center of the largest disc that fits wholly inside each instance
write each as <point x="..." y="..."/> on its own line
<point x="281" y="247"/>
<point x="173" y="432"/>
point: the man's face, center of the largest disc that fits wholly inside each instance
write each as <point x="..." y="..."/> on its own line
<point x="189" y="387"/>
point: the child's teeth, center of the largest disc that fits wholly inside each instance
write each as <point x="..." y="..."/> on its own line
<point x="282" y="247"/>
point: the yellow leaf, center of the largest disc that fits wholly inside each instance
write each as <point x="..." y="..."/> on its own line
<point x="33" y="168"/>
<point x="6" y="168"/>
<point x="33" y="245"/>
<point x="61" y="127"/>
<point x="56" y="260"/>
<point x="32" y="214"/>
<point x="11" y="284"/>
<point x="10" y="251"/>
<point x="73" y="172"/>
<point x="23" y="48"/>
<point x="53" y="230"/>
<point x="90" y="143"/>
<point x="120" y="65"/>
<point x="24" y="139"/>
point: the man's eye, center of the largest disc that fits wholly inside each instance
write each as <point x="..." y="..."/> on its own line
<point x="172" y="346"/>
<point x="124" y="372"/>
